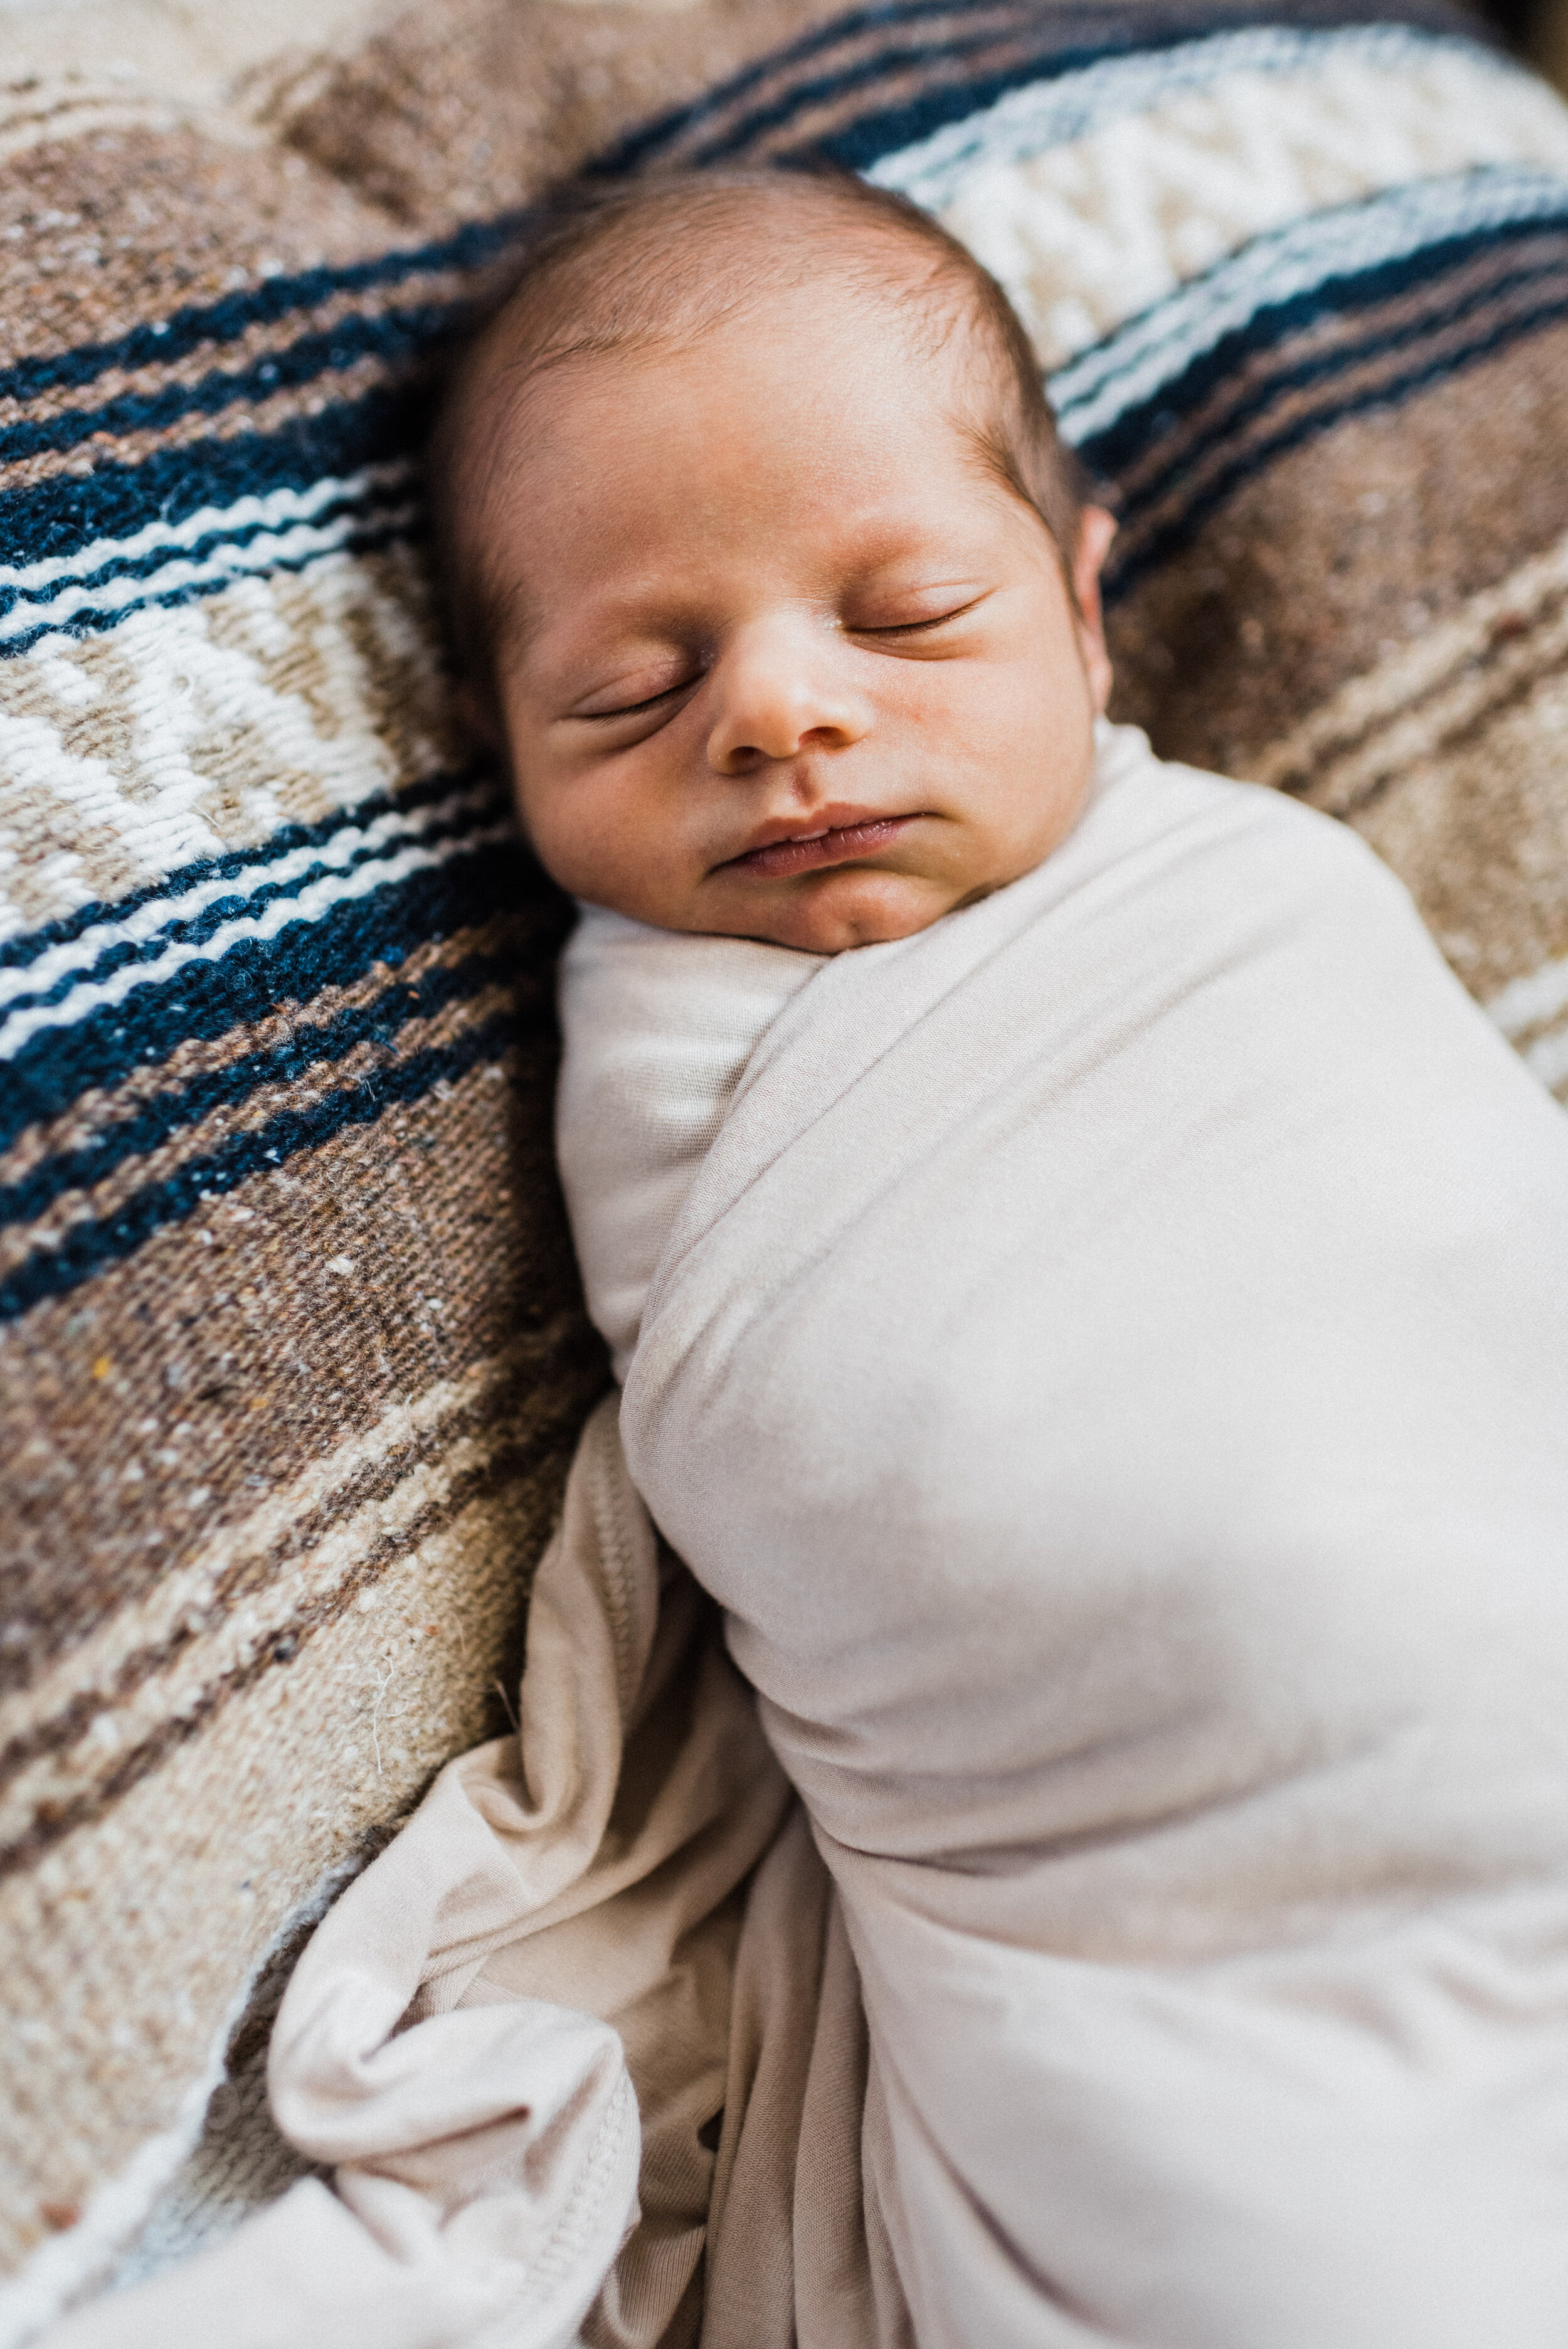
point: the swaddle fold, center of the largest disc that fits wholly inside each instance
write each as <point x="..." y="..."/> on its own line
<point x="1108" y="1356"/>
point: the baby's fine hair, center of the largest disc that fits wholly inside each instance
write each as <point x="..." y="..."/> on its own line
<point x="631" y="266"/>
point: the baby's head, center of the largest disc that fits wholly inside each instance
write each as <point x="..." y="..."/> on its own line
<point x="766" y="567"/>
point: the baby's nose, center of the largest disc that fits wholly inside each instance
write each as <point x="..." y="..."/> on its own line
<point x="780" y="691"/>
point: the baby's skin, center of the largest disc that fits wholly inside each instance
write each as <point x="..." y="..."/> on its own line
<point x="781" y="658"/>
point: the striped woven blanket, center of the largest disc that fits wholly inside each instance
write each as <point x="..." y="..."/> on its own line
<point x="292" y="1351"/>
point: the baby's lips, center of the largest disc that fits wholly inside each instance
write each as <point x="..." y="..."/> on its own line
<point x="838" y="844"/>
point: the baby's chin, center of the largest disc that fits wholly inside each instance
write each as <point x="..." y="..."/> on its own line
<point x="832" y="913"/>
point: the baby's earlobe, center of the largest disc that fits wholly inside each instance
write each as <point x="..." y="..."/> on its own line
<point x="1097" y="528"/>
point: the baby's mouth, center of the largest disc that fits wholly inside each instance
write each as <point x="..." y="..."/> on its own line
<point x="831" y="843"/>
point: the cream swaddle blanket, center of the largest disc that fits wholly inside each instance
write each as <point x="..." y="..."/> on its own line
<point x="1108" y="1356"/>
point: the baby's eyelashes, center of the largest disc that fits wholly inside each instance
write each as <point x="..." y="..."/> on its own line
<point x="631" y="700"/>
<point x="919" y="617"/>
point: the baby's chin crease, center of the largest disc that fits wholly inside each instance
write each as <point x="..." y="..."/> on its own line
<point x="826" y="932"/>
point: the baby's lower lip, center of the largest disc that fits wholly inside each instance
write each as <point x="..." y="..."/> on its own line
<point x="851" y="839"/>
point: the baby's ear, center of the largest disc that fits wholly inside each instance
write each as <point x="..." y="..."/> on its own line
<point x="1097" y="528"/>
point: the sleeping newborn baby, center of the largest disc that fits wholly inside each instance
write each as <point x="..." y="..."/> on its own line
<point x="1091" y="1298"/>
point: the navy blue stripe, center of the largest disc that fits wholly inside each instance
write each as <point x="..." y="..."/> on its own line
<point x="1065" y="40"/>
<point x="367" y="502"/>
<point x="1129" y="439"/>
<point x="88" y="1248"/>
<point x="90" y="617"/>
<point x="652" y="139"/>
<point x="224" y="321"/>
<point x="205" y="1000"/>
<point x="396" y="335"/>
<point x="201" y="926"/>
<point x="282" y="842"/>
<point x="57" y="517"/>
<point x="885" y="129"/>
<point x="888" y="131"/>
<point x="308" y="1044"/>
<point x="1387" y="392"/>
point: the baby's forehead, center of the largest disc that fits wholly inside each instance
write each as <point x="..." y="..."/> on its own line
<point x="685" y="275"/>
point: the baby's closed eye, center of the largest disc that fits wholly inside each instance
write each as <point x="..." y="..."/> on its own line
<point x="911" y="613"/>
<point x="635" y="696"/>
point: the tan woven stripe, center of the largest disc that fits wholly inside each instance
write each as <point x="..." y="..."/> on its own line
<point x="99" y="1110"/>
<point x="196" y="55"/>
<point x="1399" y="714"/>
<point x="19" y="1243"/>
<point x="184" y="1602"/>
<point x="244" y="1817"/>
<point x="61" y="1770"/>
<point x="63" y="111"/>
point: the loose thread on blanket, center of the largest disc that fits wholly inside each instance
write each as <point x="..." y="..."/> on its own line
<point x="384" y="1682"/>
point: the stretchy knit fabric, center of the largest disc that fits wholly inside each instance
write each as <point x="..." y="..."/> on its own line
<point x="1110" y="1364"/>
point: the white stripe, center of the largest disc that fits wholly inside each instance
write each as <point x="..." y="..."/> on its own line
<point x="1129" y="366"/>
<point x="1527" y="1001"/>
<point x="38" y="977"/>
<point x="309" y="905"/>
<point x="277" y="507"/>
<point x="268" y="551"/>
<point x="1105" y="223"/>
<point x="1073" y="106"/>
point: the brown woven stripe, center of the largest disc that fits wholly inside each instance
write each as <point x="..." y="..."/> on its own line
<point x="67" y="1771"/>
<point x="236" y="1348"/>
<point x="299" y="1092"/>
<point x="130" y="225"/>
<point x="1300" y="409"/>
<point x="1343" y="552"/>
<point x="465" y="111"/>
<point x="1479" y="832"/>
<point x="1431" y="696"/>
<point x="1411" y="316"/>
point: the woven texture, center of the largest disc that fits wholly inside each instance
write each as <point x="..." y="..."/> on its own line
<point x="292" y="1353"/>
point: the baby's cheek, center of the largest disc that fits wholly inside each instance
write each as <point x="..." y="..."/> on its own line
<point x="598" y="840"/>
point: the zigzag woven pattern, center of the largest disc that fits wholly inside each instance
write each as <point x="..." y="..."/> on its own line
<point x="291" y="1350"/>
